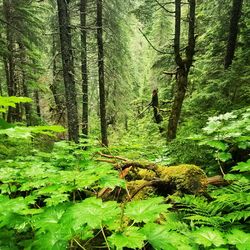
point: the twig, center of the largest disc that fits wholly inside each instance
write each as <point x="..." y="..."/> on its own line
<point x="163" y="7"/>
<point x="11" y="25"/>
<point x="106" y="160"/>
<point x="112" y="157"/>
<point x="157" y="50"/>
<point x="148" y="106"/>
<point x="82" y="247"/>
<point x="105" y="238"/>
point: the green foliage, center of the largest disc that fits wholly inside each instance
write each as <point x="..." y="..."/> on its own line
<point x="146" y="210"/>
<point x="227" y="133"/>
<point x="27" y="132"/>
<point x="11" y="101"/>
<point x="131" y="238"/>
<point x="48" y="201"/>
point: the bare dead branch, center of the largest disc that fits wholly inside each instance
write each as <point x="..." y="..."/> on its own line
<point x="157" y="50"/>
<point x="164" y="8"/>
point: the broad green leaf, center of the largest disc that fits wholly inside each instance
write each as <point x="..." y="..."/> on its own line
<point x="11" y="101"/>
<point x="160" y="237"/>
<point x="208" y="236"/>
<point x="56" y="199"/>
<point x="112" y="181"/>
<point x="216" y="144"/>
<point x="55" y="239"/>
<point x="49" y="217"/>
<point x="223" y="156"/>
<point x="131" y="238"/>
<point x="95" y="213"/>
<point x="240" y="239"/>
<point x="146" y="210"/>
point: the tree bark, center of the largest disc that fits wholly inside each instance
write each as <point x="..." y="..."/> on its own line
<point x="233" y="32"/>
<point x="60" y="106"/>
<point x="37" y="100"/>
<point x="155" y="105"/>
<point x="68" y="70"/>
<point x="99" y="5"/>
<point x="9" y="59"/>
<point x="27" y="106"/>
<point x="183" y="65"/>
<point x="83" y="16"/>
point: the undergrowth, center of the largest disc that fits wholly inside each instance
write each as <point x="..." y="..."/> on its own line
<point x="50" y="198"/>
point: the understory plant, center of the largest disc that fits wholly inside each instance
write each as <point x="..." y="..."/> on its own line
<point x="52" y="199"/>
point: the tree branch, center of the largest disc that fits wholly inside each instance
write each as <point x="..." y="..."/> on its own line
<point x="164" y="8"/>
<point x="157" y="50"/>
<point x="11" y="25"/>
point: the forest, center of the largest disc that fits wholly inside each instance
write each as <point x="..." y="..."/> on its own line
<point x="124" y="124"/>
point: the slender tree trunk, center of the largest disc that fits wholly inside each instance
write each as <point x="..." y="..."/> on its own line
<point x="183" y="65"/>
<point x="182" y="82"/>
<point x="83" y="15"/>
<point x="37" y="100"/>
<point x="9" y="60"/>
<point x="99" y="8"/>
<point x="233" y="32"/>
<point x="68" y="70"/>
<point x="54" y="86"/>
<point x="155" y="105"/>
<point x="27" y="106"/>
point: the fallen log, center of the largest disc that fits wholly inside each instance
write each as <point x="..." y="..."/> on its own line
<point x="145" y="178"/>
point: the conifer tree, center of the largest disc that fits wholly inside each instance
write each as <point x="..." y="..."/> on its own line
<point x="68" y="69"/>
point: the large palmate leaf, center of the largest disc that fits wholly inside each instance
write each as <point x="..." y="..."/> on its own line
<point x="239" y="238"/>
<point x="131" y="238"/>
<point x="95" y="213"/>
<point x="11" y="101"/>
<point x="207" y="237"/>
<point x="160" y="237"/>
<point x="146" y="210"/>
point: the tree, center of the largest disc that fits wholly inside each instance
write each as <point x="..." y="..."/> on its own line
<point x="233" y="32"/>
<point x="183" y="65"/>
<point x="9" y="61"/>
<point x="84" y="68"/>
<point x="23" y="51"/>
<point x="68" y="69"/>
<point x="99" y="24"/>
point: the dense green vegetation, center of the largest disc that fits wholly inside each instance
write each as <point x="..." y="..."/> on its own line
<point x="124" y="125"/>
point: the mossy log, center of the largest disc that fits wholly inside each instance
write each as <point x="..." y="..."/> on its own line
<point x="145" y="179"/>
<point x="163" y="180"/>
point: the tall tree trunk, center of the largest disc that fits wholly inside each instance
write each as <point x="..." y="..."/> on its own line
<point x="83" y="15"/>
<point x="9" y="60"/>
<point x="37" y="100"/>
<point x="183" y="65"/>
<point x="99" y="5"/>
<point x="27" y="106"/>
<point x="233" y="32"/>
<point x="68" y="70"/>
<point x="155" y="105"/>
<point x="54" y="85"/>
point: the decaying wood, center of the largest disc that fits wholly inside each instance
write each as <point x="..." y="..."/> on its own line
<point x="144" y="177"/>
<point x="217" y="180"/>
<point x="163" y="180"/>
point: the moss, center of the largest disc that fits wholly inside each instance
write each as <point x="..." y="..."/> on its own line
<point x="4" y="151"/>
<point x="146" y="174"/>
<point x="134" y="186"/>
<point x="184" y="178"/>
<point x="43" y="142"/>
